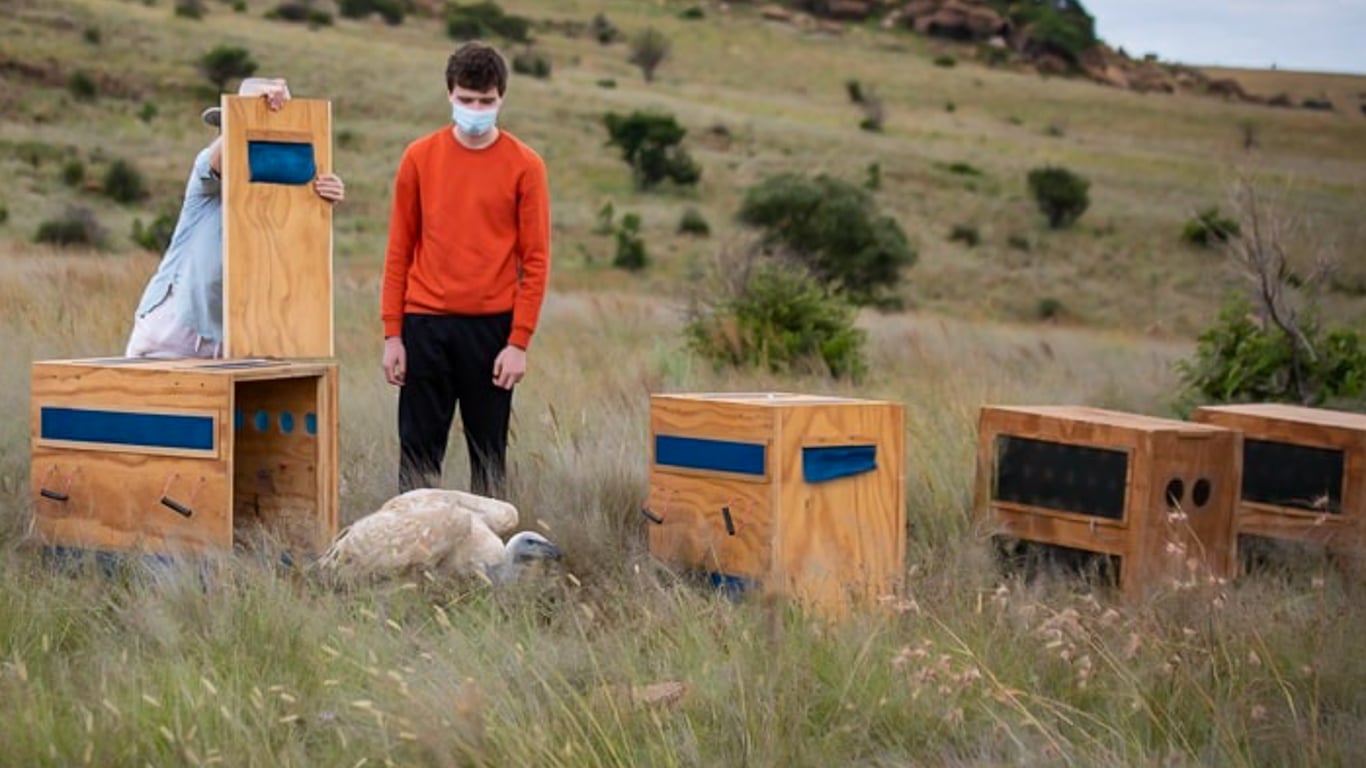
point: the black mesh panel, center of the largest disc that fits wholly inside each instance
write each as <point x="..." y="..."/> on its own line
<point x="1068" y="478"/>
<point x="1296" y="476"/>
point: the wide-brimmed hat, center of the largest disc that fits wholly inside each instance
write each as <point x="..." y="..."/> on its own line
<point x="251" y="86"/>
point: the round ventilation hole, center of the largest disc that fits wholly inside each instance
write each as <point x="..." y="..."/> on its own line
<point x="1175" y="491"/>
<point x="1201" y="492"/>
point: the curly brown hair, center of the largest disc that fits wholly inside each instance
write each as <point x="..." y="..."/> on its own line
<point x="477" y="66"/>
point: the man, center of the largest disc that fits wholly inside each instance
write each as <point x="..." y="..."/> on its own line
<point x="464" y="276"/>
<point x="181" y="311"/>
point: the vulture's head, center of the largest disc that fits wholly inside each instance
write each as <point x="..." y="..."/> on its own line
<point x="526" y="550"/>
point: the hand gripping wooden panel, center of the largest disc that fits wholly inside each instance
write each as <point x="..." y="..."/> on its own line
<point x="277" y="232"/>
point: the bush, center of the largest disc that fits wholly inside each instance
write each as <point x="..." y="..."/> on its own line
<point x="392" y="11"/>
<point x="532" y="63"/>
<point x="485" y="19"/>
<point x="4" y="215"/>
<point x="190" y="9"/>
<point x="855" y="90"/>
<point x="73" y="172"/>
<point x="1049" y="308"/>
<point x="239" y="6"/>
<point x="649" y="48"/>
<point x="225" y="63"/>
<point x="1019" y="243"/>
<point x="833" y="227"/>
<point x="631" y="253"/>
<point x="784" y="320"/>
<point x="946" y="61"/>
<point x="692" y="14"/>
<point x="157" y="236"/>
<point x="148" y="112"/>
<point x="874" y="181"/>
<point x="76" y="226"/>
<point x="92" y="35"/>
<point x="966" y="234"/>
<point x="1239" y="359"/>
<point x="1068" y="33"/>
<point x="1208" y="228"/>
<point x="123" y="182"/>
<point x="607" y="82"/>
<point x="604" y="31"/>
<point x="300" y="13"/>
<point x="963" y="169"/>
<point x="693" y="223"/>
<point x="82" y="86"/>
<point x="649" y="143"/>
<point x="1062" y="196"/>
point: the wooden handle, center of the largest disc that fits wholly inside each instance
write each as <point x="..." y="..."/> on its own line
<point x="177" y="506"/>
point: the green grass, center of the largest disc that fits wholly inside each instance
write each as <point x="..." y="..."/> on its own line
<point x="247" y="665"/>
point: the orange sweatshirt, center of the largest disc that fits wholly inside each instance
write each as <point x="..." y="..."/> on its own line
<point x="469" y="233"/>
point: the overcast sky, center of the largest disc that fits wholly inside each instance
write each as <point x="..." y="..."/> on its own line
<point x="1317" y="35"/>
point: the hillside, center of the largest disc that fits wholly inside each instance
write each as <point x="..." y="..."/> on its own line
<point x="757" y="96"/>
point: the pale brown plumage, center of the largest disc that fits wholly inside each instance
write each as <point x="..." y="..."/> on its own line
<point x="441" y="532"/>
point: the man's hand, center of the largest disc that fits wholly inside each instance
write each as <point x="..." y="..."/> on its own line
<point x="330" y="188"/>
<point x="510" y="367"/>
<point x="395" y="361"/>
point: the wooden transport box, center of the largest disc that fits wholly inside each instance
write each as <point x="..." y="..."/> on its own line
<point x="181" y="456"/>
<point x="1157" y="493"/>
<point x="1303" y="474"/>
<point x="803" y="494"/>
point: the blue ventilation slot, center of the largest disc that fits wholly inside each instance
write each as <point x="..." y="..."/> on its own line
<point x="713" y="455"/>
<point x="280" y="162"/>
<point x="823" y="463"/>
<point x="142" y="430"/>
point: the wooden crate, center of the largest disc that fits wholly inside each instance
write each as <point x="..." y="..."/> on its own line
<point x="1303" y="474"/>
<point x="803" y="495"/>
<point x="1159" y="494"/>
<point x="182" y="456"/>
<point x="277" y="235"/>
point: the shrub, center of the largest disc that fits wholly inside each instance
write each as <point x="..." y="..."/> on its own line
<point x="392" y="11"/>
<point x="1062" y="196"/>
<point x="4" y="215"/>
<point x="190" y="9"/>
<point x="855" y="90"/>
<point x="485" y="19"/>
<point x="76" y="226"/>
<point x="148" y="112"/>
<point x="225" y="63"/>
<point x="92" y="35"/>
<point x="1208" y="228"/>
<point x="834" y="228"/>
<point x="604" y="31"/>
<point x="650" y="144"/>
<point x="693" y="223"/>
<point x="946" y="61"/>
<point x="239" y="6"/>
<point x="157" y="236"/>
<point x="963" y="169"/>
<point x="782" y="319"/>
<point x="531" y="63"/>
<point x="1019" y="243"/>
<point x="82" y="86"/>
<point x="300" y="13"/>
<point x="966" y="234"/>
<point x="1239" y="359"/>
<point x="607" y="82"/>
<point x="606" y="219"/>
<point x="692" y="13"/>
<point x="631" y="253"/>
<point x="1069" y="32"/>
<point x="123" y="182"/>
<point x="73" y="172"/>
<point x="1049" y="308"/>
<point x="649" y="48"/>
<point x="874" y="181"/>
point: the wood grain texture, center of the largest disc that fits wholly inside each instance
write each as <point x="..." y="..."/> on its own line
<point x="277" y="239"/>
<point x="829" y="545"/>
<point x="1158" y="545"/>
<point x="1309" y="427"/>
<point x="114" y="493"/>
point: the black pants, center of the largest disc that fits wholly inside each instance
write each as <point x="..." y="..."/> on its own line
<point x="450" y="361"/>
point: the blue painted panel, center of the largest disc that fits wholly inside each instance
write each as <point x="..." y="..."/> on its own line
<point x="829" y="462"/>
<point x="714" y="455"/>
<point x="143" y="430"/>
<point x="280" y="162"/>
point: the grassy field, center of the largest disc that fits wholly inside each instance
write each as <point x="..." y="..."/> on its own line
<point x="242" y="664"/>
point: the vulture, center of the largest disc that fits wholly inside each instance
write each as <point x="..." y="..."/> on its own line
<point x="445" y="533"/>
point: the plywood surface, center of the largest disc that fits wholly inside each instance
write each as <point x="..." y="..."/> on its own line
<point x="277" y="239"/>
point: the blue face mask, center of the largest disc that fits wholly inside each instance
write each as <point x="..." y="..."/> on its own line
<point x="474" y="122"/>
